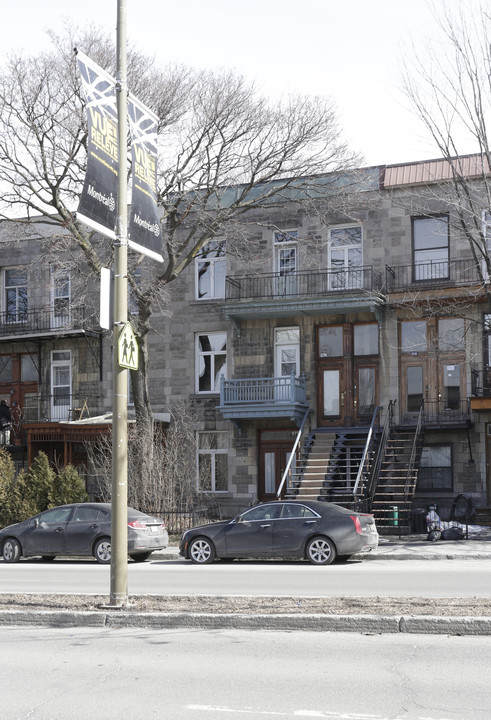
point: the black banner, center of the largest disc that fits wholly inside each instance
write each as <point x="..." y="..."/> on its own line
<point x="98" y="202"/>
<point x="145" y="233"/>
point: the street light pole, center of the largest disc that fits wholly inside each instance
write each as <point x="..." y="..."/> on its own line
<point x="119" y="497"/>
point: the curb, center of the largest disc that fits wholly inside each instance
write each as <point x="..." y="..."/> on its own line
<point x="431" y="625"/>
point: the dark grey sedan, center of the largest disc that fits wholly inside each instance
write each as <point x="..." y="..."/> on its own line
<point x="317" y="531"/>
<point x="80" y="529"/>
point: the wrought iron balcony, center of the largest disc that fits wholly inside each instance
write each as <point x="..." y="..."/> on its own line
<point x="254" y="398"/>
<point x="306" y="284"/>
<point x="424" y="276"/>
<point x="38" y="322"/>
<point x="441" y="414"/>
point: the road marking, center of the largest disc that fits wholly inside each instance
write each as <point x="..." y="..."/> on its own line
<point x="326" y="714"/>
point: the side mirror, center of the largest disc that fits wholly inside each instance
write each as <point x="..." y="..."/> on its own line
<point x="36" y="522"/>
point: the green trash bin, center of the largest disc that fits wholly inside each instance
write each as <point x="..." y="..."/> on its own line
<point x="394" y="516"/>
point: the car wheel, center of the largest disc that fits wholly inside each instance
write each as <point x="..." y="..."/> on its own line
<point x="141" y="557"/>
<point x="11" y="550"/>
<point x="321" y="551"/>
<point x="102" y="551"/>
<point x="201" y="551"/>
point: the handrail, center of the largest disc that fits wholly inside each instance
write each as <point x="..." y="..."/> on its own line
<point x="380" y="452"/>
<point x="412" y="458"/>
<point x="365" y="451"/>
<point x="292" y="455"/>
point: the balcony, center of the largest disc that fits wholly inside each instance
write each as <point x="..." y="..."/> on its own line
<point x="40" y="408"/>
<point x="307" y="292"/>
<point x="481" y="389"/>
<point x="256" y="398"/>
<point x="428" y="276"/>
<point x="42" y="322"/>
<point x="437" y="414"/>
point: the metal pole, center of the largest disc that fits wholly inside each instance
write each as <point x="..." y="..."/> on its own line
<point x="119" y="498"/>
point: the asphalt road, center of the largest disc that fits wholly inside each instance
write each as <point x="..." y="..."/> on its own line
<point x="80" y="673"/>
<point x="417" y="578"/>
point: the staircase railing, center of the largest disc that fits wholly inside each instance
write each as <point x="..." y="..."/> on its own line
<point x="287" y="472"/>
<point x="373" y="479"/>
<point x="365" y="469"/>
<point x="414" y="451"/>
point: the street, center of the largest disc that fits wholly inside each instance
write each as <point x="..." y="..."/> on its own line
<point x="55" y="674"/>
<point x="418" y="578"/>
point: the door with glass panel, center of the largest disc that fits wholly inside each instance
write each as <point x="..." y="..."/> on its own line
<point x="274" y="452"/>
<point x="285" y="263"/>
<point x="60" y="300"/>
<point x="347" y="373"/>
<point x="345" y="258"/>
<point x="287" y="361"/>
<point x="61" y="384"/>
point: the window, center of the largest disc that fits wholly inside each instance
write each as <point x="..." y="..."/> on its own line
<point x="15" y="297"/>
<point x="211" y="270"/>
<point x="345" y="257"/>
<point x="211" y="361"/>
<point x="435" y="470"/>
<point x="451" y="334"/>
<point x="287" y="351"/>
<point x="285" y="262"/>
<point x="262" y="512"/>
<point x="212" y="462"/>
<point x="61" y="384"/>
<point x="366" y="339"/>
<point x="430" y="247"/>
<point x="413" y="336"/>
<point x="331" y="341"/>
<point x="60" y="302"/>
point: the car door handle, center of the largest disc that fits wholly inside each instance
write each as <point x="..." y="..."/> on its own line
<point x="59" y="529"/>
<point x="310" y="522"/>
<point x="268" y="525"/>
<point x="94" y="527"/>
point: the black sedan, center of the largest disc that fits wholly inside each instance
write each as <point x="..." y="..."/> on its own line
<point x="317" y="531"/>
<point x="80" y="529"/>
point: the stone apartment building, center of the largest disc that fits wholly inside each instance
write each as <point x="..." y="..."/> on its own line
<point x="354" y="335"/>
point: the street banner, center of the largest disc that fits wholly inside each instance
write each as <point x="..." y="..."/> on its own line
<point x="145" y="233"/>
<point x="98" y="202"/>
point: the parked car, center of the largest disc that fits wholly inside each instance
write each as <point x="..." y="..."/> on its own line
<point x="80" y="529"/>
<point x="318" y="531"/>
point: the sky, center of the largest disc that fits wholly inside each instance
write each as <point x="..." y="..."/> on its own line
<point x="349" y="50"/>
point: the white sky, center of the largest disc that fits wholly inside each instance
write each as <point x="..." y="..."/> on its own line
<point x="349" y="50"/>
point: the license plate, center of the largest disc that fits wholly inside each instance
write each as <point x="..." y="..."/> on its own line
<point x="155" y="528"/>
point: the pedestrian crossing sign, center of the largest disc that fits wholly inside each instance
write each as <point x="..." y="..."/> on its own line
<point x="127" y="348"/>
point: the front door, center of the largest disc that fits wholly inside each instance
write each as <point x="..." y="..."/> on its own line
<point x="274" y="452"/>
<point x="61" y="384"/>
<point x="347" y="374"/>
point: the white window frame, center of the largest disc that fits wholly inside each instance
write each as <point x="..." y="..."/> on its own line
<point x="59" y="321"/>
<point x="279" y="345"/>
<point x="353" y="279"/>
<point x="216" y="293"/>
<point x="200" y="356"/>
<point x="60" y="412"/>
<point x="212" y="452"/>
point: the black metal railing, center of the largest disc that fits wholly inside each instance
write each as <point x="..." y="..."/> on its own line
<point x="481" y="382"/>
<point x="444" y="273"/>
<point x="440" y="412"/>
<point x="42" y="320"/>
<point x="303" y="284"/>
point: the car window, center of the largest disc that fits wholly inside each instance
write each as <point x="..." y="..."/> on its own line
<point x="290" y="510"/>
<point x="261" y="512"/>
<point x="55" y="515"/>
<point x="88" y="514"/>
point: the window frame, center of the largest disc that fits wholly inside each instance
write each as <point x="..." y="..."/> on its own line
<point x="21" y="315"/>
<point x="448" y="488"/>
<point x="212" y="452"/>
<point x="212" y="262"/>
<point x="199" y="354"/>
<point x="421" y="264"/>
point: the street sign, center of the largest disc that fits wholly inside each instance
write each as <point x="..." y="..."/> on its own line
<point x="127" y="348"/>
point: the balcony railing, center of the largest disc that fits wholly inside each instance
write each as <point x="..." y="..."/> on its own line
<point x="439" y="413"/>
<point x="41" y="321"/>
<point x="59" y="407"/>
<point x="304" y="284"/>
<point x="433" y="274"/>
<point x="263" y="397"/>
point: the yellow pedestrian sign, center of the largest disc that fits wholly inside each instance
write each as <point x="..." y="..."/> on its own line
<point x="127" y="348"/>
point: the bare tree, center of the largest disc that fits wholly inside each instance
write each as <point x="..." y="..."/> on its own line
<point x="224" y="151"/>
<point x="450" y="90"/>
